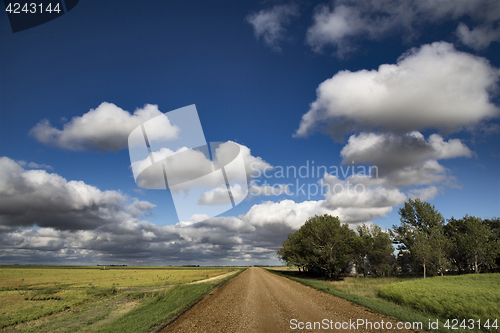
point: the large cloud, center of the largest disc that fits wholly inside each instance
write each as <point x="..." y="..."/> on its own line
<point x="270" y="23"/>
<point x="82" y="224"/>
<point x="390" y="152"/>
<point x="37" y="198"/>
<point x="404" y="160"/>
<point x="104" y="128"/>
<point x="348" y="21"/>
<point x="185" y="165"/>
<point x="434" y="86"/>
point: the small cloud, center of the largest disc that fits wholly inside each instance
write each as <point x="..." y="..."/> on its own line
<point x="139" y="191"/>
<point x="425" y="193"/>
<point x="478" y="38"/>
<point x="270" y="23"/>
<point x="33" y="165"/>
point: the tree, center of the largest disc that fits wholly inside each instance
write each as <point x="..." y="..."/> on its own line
<point x="293" y="252"/>
<point x="381" y="254"/>
<point x="373" y="250"/>
<point x="321" y="243"/>
<point x="421" y="234"/>
<point x="494" y="242"/>
<point x="470" y="238"/>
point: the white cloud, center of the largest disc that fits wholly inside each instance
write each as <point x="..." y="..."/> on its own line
<point x="185" y="165"/>
<point x="270" y="23"/>
<point x="219" y="195"/>
<point x="344" y="22"/>
<point x="269" y="190"/>
<point x="390" y="151"/>
<point x="33" y="165"/>
<point x="37" y="198"/>
<point x="434" y="86"/>
<point x="404" y="160"/>
<point x="478" y="38"/>
<point x="352" y="194"/>
<point x="348" y="21"/>
<point x="104" y="128"/>
<point x="424" y="193"/>
<point x="253" y="164"/>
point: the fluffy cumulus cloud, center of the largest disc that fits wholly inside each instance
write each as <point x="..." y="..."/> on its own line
<point x="434" y="86"/>
<point x="347" y="21"/>
<point x="104" y="128"/>
<point x="404" y="163"/>
<point x="478" y="38"/>
<point x="38" y="198"/>
<point x="188" y="168"/>
<point x="218" y="195"/>
<point x="270" y="23"/>
<point x="391" y="152"/>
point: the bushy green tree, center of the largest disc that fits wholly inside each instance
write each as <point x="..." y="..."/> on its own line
<point x="421" y="235"/>
<point x="494" y="250"/>
<point x="470" y="238"/>
<point x="373" y="250"/>
<point x="322" y="242"/>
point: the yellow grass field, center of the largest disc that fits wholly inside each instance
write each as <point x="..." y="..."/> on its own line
<point x="28" y="293"/>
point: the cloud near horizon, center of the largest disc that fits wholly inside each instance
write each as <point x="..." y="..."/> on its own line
<point x="31" y="198"/>
<point x="78" y="223"/>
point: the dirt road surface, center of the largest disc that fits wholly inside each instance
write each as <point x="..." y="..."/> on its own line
<point x="260" y="301"/>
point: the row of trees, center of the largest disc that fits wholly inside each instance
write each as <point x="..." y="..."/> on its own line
<point x="428" y="244"/>
<point x="425" y="242"/>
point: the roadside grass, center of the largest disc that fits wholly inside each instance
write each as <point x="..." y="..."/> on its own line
<point x="471" y="296"/>
<point x="156" y="310"/>
<point x="365" y="292"/>
<point x="161" y="308"/>
<point x="28" y="294"/>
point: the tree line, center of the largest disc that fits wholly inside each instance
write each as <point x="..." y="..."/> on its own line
<point x="426" y="245"/>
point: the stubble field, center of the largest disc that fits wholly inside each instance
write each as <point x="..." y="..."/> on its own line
<point x="76" y="298"/>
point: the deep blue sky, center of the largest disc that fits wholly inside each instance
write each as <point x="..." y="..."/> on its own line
<point x="178" y="53"/>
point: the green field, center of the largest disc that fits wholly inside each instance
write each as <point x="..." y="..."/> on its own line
<point x="472" y="296"/>
<point x="79" y="299"/>
<point x="415" y="299"/>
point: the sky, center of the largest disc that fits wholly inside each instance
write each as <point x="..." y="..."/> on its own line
<point x="340" y="107"/>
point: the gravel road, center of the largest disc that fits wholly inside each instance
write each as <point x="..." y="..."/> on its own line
<point x="259" y="301"/>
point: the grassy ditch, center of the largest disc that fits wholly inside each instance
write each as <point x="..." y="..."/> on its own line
<point x="471" y="296"/>
<point x="367" y="292"/>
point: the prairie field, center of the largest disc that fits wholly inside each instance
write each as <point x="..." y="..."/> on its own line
<point x="470" y="297"/>
<point x="84" y="298"/>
